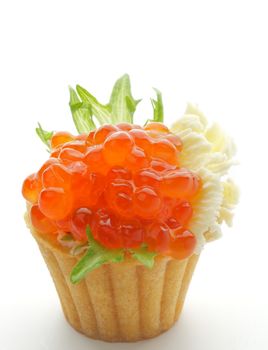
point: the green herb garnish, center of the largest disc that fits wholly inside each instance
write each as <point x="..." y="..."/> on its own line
<point x="45" y="136"/>
<point x="95" y="256"/>
<point x="82" y="113"/>
<point x="122" y="105"/>
<point x="143" y="255"/>
<point x="98" y="255"/>
<point x="158" y="107"/>
<point x="87" y="110"/>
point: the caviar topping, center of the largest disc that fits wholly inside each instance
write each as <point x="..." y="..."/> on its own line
<point x="119" y="186"/>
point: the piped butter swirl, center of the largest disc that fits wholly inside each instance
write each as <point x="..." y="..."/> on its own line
<point x="209" y="152"/>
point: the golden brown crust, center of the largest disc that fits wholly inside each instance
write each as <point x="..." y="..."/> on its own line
<point x="119" y="302"/>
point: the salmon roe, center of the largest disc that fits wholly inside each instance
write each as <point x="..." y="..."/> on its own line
<point x="124" y="181"/>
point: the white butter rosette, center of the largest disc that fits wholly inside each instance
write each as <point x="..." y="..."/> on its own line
<point x="209" y="152"/>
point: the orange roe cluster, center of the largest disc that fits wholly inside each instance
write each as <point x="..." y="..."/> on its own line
<point x="124" y="181"/>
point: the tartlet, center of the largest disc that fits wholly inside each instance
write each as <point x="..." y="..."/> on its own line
<point x="121" y="212"/>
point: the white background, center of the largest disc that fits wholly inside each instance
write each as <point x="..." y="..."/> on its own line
<point x="210" y="52"/>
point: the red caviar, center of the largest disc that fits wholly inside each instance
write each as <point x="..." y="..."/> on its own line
<point x="41" y="222"/>
<point x="124" y="181"/>
<point x="60" y="138"/>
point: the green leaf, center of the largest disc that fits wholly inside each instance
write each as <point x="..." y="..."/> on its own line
<point x="100" y="111"/>
<point x="158" y="107"/>
<point x="144" y="256"/>
<point x="81" y="112"/>
<point x="121" y="107"/>
<point x="95" y="256"/>
<point x="45" y="136"/>
<point x="122" y="104"/>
